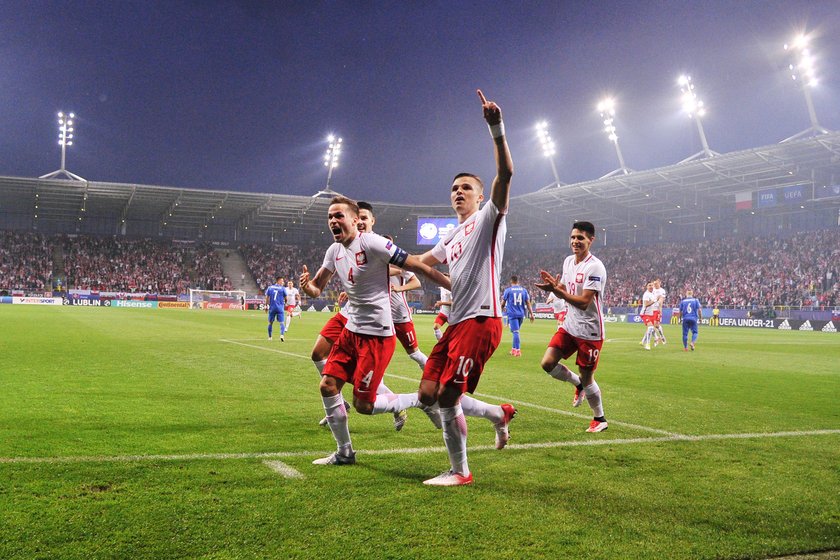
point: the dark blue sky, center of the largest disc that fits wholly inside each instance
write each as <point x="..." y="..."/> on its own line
<point x="240" y="95"/>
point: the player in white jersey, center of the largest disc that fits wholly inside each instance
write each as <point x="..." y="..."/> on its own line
<point x="403" y="281"/>
<point x="365" y="345"/>
<point x="559" y="307"/>
<point x="660" y="293"/>
<point x="445" y="305"/>
<point x="292" y="302"/>
<point x="331" y="331"/>
<point x="474" y="252"/>
<point x="647" y="314"/>
<point x="582" y="286"/>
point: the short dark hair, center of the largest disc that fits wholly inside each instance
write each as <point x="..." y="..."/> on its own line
<point x="474" y="176"/>
<point x="349" y="202"/>
<point x="586" y="227"/>
<point x="365" y="206"/>
<point x="514" y="278"/>
<point x="278" y="277"/>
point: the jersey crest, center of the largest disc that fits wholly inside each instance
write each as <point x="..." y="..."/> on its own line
<point x="579" y="277"/>
<point x="361" y="258"/>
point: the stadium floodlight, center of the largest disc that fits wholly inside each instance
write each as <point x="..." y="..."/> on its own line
<point x="606" y="108"/>
<point x="548" y="147"/>
<point x="65" y="138"/>
<point x="804" y="74"/>
<point x="331" y="157"/>
<point x="695" y="109"/>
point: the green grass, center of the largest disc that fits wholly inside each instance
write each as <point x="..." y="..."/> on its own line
<point x="129" y="384"/>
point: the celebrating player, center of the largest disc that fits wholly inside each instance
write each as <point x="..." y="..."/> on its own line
<point x="474" y="252"/>
<point x="659" y="293"/>
<point x="365" y="345"/>
<point x="646" y="312"/>
<point x="292" y="302"/>
<point x="275" y="300"/>
<point x="690" y="313"/>
<point x="515" y="300"/>
<point x="582" y="285"/>
<point x="444" y="304"/>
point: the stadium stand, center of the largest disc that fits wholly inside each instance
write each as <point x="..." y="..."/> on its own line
<point x="25" y="261"/>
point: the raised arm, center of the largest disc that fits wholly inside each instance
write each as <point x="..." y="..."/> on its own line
<point x="417" y="266"/>
<point x="314" y="286"/>
<point x="500" y="191"/>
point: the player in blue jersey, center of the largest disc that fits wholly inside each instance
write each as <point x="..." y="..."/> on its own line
<point x="690" y="314"/>
<point x="275" y="302"/>
<point x="515" y="300"/>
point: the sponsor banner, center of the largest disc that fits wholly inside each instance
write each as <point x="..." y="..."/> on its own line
<point x="826" y="191"/>
<point x="768" y="198"/>
<point x="133" y="303"/>
<point x="744" y="322"/>
<point x="85" y="302"/>
<point x="173" y="305"/>
<point x="432" y="230"/>
<point x="793" y="194"/>
<point x="543" y="308"/>
<point x="543" y="315"/>
<point x="6" y="299"/>
<point x="37" y="301"/>
<point x="222" y="305"/>
<point x="611" y="319"/>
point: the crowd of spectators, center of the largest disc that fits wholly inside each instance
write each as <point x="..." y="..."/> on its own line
<point x="25" y="261"/>
<point x="732" y="272"/>
<point x="140" y="265"/>
<point x="735" y="272"/>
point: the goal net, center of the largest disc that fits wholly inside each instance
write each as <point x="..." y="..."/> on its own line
<point x="216" y="299"/>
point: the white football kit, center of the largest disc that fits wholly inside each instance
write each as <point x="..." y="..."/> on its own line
<point x="474" y="252"/>
<point x="362" y="267"/>
<point x="400" y="311"/>
<point x="589" y="274"/>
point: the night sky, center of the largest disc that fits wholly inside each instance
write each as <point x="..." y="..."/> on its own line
<point x="241" y="95"/>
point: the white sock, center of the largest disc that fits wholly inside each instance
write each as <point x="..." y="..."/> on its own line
<point x="563" y="373"/>
<point x="455" y="437"/>
<point x="383" y="390"/>
<point x="648" y="335"/>
<point x="419" y="357"/>
<point x="320" y="365"/>
<point x="337" y="420"/>
<point x="438" y="334"/>
<point x="480" y="409"/>
<point x="288" y="321"/>
<point x="395" y="403"/>
<point x="593" y="397"/>
<point x="661" y="333"/>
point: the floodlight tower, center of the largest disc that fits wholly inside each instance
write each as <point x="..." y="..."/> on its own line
<point x="331" y="162"/>
<point x="607" y="110"/>
<point x="65" y="138"/>
<point x="802" y="72"/>
<point x="694" y="108"/>
<point x="548" y="147"/>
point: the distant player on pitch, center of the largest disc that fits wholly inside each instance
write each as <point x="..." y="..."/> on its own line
<point x="275" y="305"/>
<point x="659" y="293"/>
<point x="647" y="315"/>
<point x="292" y="302"/>
<point x="690" y="314"/>
<point x="515" y="301"/>
<point x="582" y="285"/>
<point x="444" y="304"/>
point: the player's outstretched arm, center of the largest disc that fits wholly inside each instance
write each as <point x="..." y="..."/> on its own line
<point x="314" y="286"/>
<point x="417" y="266"/>
<point x="500" y="191"/>
<point x="412" y="284"/>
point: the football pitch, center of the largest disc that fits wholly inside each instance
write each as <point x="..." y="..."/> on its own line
<point x="131" y="433"/>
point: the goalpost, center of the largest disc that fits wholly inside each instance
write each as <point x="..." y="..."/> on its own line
<point x="217" y="299"/>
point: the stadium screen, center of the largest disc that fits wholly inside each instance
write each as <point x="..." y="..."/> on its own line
<point x="432" y="230"/>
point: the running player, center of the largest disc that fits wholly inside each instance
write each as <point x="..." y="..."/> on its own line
<point x="582" y="285"/>
<point x="659" y="293"/>
<point x="646" y="313"/>
<point x="275" y="299"/>
<point x="445" y="304"/>
<point x="515" y="300"/>
<point x="364" y="347"/>
<point x="292" y="302"/>
<point x="474" y="252"/>
<point x="690" y="313"/>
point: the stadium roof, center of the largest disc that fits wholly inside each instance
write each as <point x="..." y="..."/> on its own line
<point x="689" y="192"/>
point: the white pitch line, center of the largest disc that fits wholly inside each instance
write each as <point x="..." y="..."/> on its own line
<point x="283" y="469"/>
<point x="484" y="395"/>
<point x="559" y="411"/>
<point x="407" y="451"/>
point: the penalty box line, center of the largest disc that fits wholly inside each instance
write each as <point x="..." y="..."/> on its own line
<point x="404" y="451"/>
<point x="483" y="395"/>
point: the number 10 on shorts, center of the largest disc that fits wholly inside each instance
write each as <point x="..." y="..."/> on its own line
<point x="465" y="366"/>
